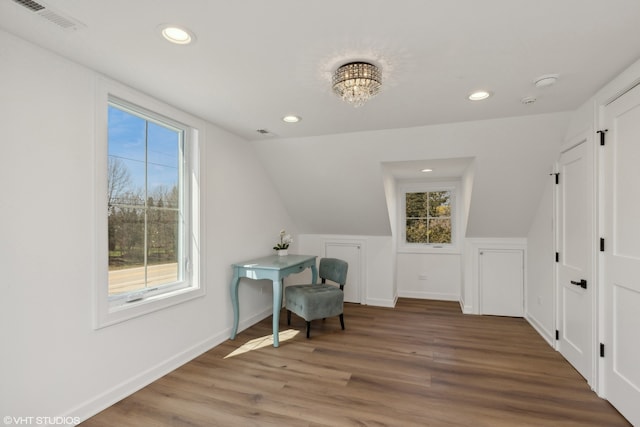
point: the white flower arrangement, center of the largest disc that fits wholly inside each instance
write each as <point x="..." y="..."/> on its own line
<point x="285" y="241"/>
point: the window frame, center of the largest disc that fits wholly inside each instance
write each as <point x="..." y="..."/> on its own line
<point x="110" y="310"/>
<point x="428" y="187"/>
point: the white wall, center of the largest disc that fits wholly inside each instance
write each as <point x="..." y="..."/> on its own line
<point x="391" y="196"/>
<point x="53" y="362"/>
<point x="432" y="275"/>
<point x="378" y="279"/>
<point x="429" y="276"/>
<point x="318" y="176"/>
<point x="467" y="191"/>
<point x="501" y="189"/>
<point x="540" y="291"/>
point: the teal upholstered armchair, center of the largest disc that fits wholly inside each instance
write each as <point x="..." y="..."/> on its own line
<point x="319" y="300"/>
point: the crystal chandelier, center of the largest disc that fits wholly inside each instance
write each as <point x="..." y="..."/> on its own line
<point x="357" y="82"/>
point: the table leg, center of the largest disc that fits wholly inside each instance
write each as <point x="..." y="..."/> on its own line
<point x="314" y="274"/>
<point x="277" y="305"/>
<point x="234" y="301"/>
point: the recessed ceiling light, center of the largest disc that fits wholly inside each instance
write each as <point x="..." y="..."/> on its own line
<point x="546" y="80"/>
<point x="426" y="170"/>
<point x="479" y="95"/>
<point x="291" y="119"/>
<point x="176" y="34"/>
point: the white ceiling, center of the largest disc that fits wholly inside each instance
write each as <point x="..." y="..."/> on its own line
<point x="255" y="61"/>
<point x="437" y="169"/>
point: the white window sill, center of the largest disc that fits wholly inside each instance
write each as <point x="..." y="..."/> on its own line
<point x="122" y="311"/>
<point x="450" y="250"/>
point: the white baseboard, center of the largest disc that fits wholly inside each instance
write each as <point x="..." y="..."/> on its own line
<point x="547" y="335"/>
<point x="119" y="392"/>
<point x="127" y="388"/>
<point x="466" y="309"/>
<point x="438" y="296"/>
<point x="382" y="302"/>
<point x="258" y="317"/>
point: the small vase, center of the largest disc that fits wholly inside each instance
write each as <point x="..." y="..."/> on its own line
<point x="283" y="252"/>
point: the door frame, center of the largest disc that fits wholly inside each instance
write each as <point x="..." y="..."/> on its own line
<point x="584" y="137"/>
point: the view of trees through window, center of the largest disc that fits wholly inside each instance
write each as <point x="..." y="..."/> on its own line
<point x="143" y="201"/>
<point x="428" y="217"/>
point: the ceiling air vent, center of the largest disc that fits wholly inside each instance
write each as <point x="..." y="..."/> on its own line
<point x="47" y="13"/>
<point x="30" y="5"/>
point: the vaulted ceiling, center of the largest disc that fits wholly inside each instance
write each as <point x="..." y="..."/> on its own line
<point x="254" y="61"/>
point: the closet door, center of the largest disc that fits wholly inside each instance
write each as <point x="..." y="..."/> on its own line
<point x="575" y="287"/>
<point x="351" y="252"/>
<point x="502" y="282"/>
<point x="621" y="264"/>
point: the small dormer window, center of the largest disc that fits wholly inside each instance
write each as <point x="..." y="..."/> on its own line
<point x="427" y="217"/>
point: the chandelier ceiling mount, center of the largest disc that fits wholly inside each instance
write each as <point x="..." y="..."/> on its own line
<point x="357" y="82"/>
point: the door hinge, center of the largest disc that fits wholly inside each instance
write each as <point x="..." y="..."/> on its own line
<point x="601" y="350"/>
<point x="557" y="256"/>
<point x="601" y="244"/>
<point x="557" y="174"/>
<point x="602" y="132"/>
<point x="557" y="335"/>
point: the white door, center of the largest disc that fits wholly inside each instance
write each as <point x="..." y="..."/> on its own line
<point x="502" y="282"/>
<point x="575" y="290"/>
<point x="351" y="253"/>
<point x="621" y="258"/>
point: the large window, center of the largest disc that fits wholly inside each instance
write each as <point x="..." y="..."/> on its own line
<point x="145" y="189"/>
<point x="147" y="164"/>
<point x="427" y="217"/>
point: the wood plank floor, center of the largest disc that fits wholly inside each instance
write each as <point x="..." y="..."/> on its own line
<point x="422" y="363"/>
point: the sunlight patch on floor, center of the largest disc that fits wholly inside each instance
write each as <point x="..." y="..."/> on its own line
<point x="265" y="341"/>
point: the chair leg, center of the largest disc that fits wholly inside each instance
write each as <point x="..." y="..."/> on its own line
<point x="308" y="328"/>
<point x="342" y="320"/>
<point x="289" y="317"/>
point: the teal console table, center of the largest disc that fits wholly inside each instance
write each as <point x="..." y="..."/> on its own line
<point x="274" y="268"/>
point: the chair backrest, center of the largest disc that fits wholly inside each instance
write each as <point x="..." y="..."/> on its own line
<point x="335" y="270"/>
